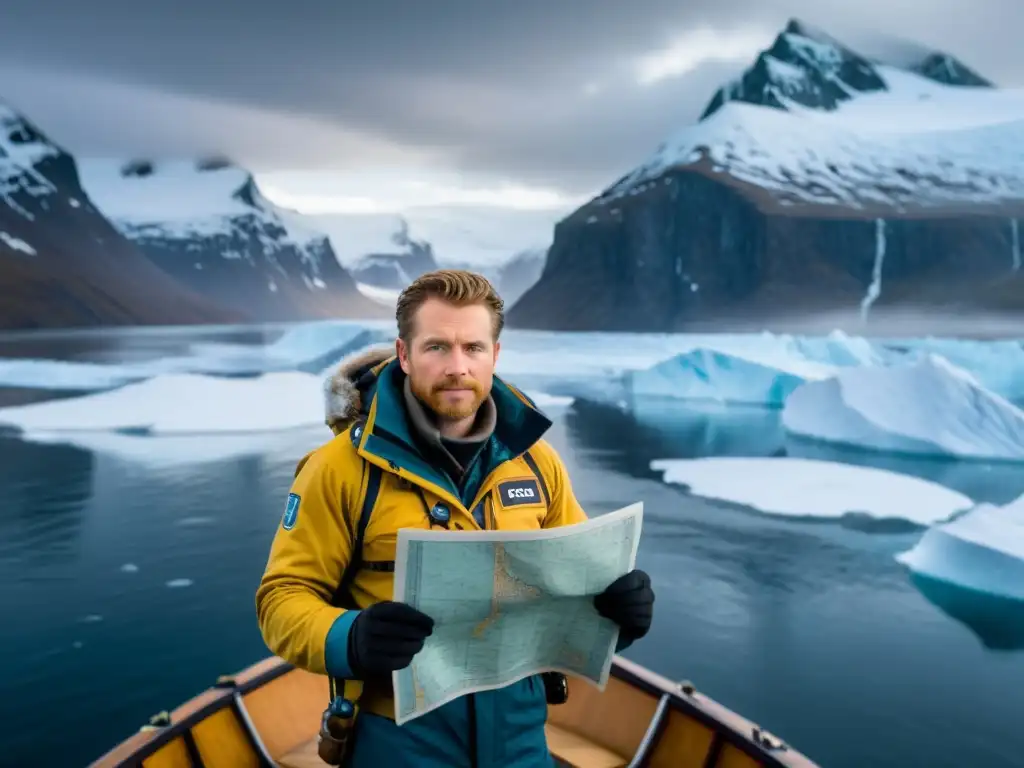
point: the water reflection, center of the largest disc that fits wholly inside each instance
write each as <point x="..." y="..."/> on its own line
<point x="993" y="482"/>
<point x="627" y="440"/>
<point x="45" y="491"/>
<point x="657" y="428"/>
<point x="997" y="622"/>
<point x="661" y="428"/>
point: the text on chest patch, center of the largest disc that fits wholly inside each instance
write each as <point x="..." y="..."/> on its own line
<point x="514" y="493"/>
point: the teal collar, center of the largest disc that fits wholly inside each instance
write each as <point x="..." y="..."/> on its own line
<point x="518" y="426"/>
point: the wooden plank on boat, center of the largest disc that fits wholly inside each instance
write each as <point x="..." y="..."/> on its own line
<point x="287" y="710"/>
<point x="174" y="754"/>
<point x="615" y="720"/>
<point x="682" y="742"/>
<point x="579" y="752"/>
<point x="641" y="719"/>
<point x="303" y="756"/>
<point x="221" y="740"/>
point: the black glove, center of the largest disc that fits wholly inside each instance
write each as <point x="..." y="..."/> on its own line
<point x="385" y="637"/>
<point x="629" y="602"/>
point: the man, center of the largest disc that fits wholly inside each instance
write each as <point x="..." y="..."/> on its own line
<point x="431" y="437"/>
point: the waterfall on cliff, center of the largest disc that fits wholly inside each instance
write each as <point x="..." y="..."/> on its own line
<point x="1015" y="239"/>
<point x="875" y="288"/>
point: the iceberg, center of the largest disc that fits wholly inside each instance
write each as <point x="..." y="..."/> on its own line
<point x="727" y="377"/>
<point x="806" y="488"/>
<point x="997" y="365"/>
<point x="744" y="368"/>
<point x="590" y="366"/>
<point x="928" y="407"/>
<point x="981" y="550"/>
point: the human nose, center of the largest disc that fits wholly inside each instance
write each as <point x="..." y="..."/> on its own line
<point x="458" y="363"/>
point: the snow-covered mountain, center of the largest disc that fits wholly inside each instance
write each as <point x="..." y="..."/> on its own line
<point x="206" y="223"/>
<point x="809" y="67"/>
<point x="395" y="267"/>
<point x="62" y="263"/>
<point x="385" y="252"/>
<point x="818" y="179"/>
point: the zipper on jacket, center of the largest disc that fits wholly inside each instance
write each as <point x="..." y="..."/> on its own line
<point x="474" y="760"/>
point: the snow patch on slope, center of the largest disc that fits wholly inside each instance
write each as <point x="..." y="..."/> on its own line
<point x="16" y="244"/>
<point x="181" y="199"/>
<point x="22" y="149"/>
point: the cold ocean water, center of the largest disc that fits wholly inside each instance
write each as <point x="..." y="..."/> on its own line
<point x="129" y="566"/>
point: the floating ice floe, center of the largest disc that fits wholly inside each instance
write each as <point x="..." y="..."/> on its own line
<point x="981" y="550"/>
<point x="806" y="488"/>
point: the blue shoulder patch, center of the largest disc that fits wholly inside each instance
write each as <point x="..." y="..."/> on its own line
<point x="291" y="512"/>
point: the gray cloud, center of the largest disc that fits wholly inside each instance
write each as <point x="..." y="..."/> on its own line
<point x="495" y="88"/>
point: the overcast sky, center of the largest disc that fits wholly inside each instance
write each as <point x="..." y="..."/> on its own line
<point x="480" y="95"/>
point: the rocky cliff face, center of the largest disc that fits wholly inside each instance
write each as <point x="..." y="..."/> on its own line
<point x="207" y="224"/>
<point x="818" y="180"/>
<point x="62" y="263"/>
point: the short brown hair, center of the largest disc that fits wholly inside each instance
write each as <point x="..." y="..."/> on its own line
<point x="453" y="286"/>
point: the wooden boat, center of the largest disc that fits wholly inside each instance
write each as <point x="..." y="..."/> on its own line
<point x="268" y="715"/>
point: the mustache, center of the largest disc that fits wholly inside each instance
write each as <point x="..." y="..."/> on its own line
<point x="466" y="383"/>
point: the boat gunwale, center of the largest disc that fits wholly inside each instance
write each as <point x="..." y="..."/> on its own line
<point x="727" y="726"/>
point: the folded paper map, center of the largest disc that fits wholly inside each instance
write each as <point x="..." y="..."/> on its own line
<point x="509" y="604"/>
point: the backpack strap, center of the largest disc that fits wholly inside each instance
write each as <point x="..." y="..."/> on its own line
<point x="342" y="597"/>
<point x="532" y="464"/>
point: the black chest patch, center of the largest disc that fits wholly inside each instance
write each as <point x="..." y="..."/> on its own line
<point x="519" y="493"/>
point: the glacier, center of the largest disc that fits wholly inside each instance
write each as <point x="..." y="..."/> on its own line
<point x="928" y="407"/>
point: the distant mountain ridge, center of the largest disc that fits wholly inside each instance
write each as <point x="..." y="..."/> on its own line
<point x="810" y="67"/>
<point x="207" y="223"/>
<point x="62" y="262"/>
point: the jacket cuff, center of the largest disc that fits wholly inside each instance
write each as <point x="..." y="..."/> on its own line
<point x="336" y="658"/>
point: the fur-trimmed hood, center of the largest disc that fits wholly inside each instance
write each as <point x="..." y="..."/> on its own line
<point x="344" y="389"/>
